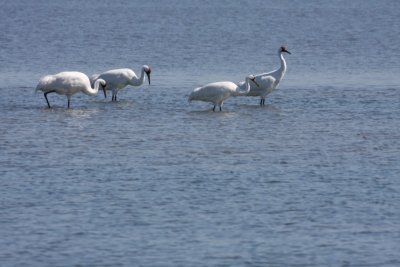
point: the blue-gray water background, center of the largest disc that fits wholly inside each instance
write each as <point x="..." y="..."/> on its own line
<point x="311" y="179"/>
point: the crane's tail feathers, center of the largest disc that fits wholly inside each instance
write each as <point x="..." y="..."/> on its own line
<point x="93" y="78"/>
<point x="38" y="88"/>
<point x="193" y="95"/>
<point x="41" y="86"/>
<point x="190" y="98"/>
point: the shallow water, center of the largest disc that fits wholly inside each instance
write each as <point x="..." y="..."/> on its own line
<point x="311" y="179"/>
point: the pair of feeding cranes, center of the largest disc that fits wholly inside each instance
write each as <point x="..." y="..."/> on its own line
<point x="71" y="82"/>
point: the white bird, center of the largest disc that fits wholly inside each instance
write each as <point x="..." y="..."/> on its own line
<point x="68" y="83"/>
<point x="120" y="78"/>
<point x="218" y="92"/>
<point x="268" y="81"/>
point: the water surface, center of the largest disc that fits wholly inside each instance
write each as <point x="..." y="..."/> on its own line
<point x="311" y="179"/>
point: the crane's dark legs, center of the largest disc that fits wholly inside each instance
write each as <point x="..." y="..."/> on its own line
<point x="114" y="98"/>
<point x="69" y="100"/>
<point x="45" y="96"/>
<point x="220" y="107"/>
<point x="262" y="102"/>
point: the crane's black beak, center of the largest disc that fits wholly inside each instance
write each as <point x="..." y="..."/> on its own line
<point x="104" y="90"/>
<point x="287" y="51"/>
<point x="148" y="75"/>
<point x="254" y="81"/>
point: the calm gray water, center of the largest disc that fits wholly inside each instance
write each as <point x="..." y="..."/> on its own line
<point x="311" y="179"/>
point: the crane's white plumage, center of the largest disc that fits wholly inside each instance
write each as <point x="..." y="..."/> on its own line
<point x="268" y="81"/>
<point x="120" y="78"/>
<point x="68" y="83"/>
<point x="218" y="92"/>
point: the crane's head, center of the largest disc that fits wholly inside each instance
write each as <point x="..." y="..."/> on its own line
<point x="283" y="49"/>
<point x="147" y="70"/>
<point x="252" y="78"/>
<point x="103" y="86"/>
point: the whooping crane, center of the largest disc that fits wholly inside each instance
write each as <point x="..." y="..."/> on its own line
<point x="268" y="81"/>
<point x="68" y="83"/>
<point x="117" y="79"/>
<point x="218" y="92"/>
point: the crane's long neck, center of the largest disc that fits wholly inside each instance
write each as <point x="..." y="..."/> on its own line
<point x="282" y="70"/>
<point x="135" y="81"/>
<point x="246" y="88"/>
<point x="93" y="91"/>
